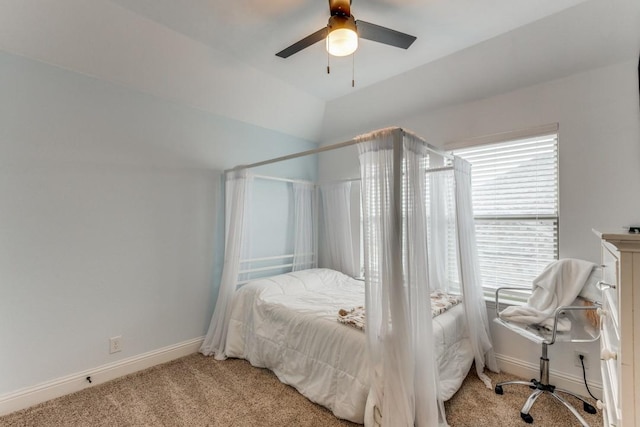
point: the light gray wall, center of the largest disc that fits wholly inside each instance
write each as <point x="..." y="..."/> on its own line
<point x="113" y="43"/>
<point x="599" y="143"/>
<point x="109" y="200"/>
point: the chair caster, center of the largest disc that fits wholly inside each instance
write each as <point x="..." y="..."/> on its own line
<point x="527" y="418"/>
<point x="588" y="408"/>
<point x="532" y="387"/>
<point x="499" y="390"/>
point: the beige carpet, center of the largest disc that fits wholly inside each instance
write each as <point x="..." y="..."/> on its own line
<point x="200" y="391"/>
<point x="477" y="406"/>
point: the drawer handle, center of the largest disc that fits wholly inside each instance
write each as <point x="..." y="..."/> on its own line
<point x="603" y="286"/>
<point x="607" y="354"/>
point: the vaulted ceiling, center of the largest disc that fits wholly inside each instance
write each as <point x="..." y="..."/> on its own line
<point x="220" y="56"/>
<point x="254" y="30"/>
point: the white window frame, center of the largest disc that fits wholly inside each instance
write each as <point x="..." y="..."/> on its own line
<point x="490" y="284"/>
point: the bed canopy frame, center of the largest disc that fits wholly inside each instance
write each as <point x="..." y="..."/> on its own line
<point x="398" y="179"/>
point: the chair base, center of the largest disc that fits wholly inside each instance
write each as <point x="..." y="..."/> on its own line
<point x="540" y="388"/>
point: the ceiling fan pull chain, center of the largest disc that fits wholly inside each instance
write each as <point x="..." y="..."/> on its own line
<point x="353" y="69"/>
<point x="328" y="63"/>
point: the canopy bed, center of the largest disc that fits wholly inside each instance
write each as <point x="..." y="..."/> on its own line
<point x="418" y="238"/>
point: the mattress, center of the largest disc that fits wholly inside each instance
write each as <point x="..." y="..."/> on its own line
<point x="288" y="324"/>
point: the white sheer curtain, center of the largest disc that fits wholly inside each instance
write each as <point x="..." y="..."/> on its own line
<point x="430" y="409"/>
<point x="337" y="245"/>
<point x="404" y="378"/>
<point x="304" y="229"/>
<point x="469" y="273"/>
<point x="237" y="191"/>
<point x="439" y="184"/>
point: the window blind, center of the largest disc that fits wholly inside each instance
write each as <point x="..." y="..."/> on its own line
<point x="515" y="202"/>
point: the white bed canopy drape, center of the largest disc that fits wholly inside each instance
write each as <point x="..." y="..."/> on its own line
<point x="404" y="376"/>
<point x="469" y="273"/>
<point x="415" y="217"/>
<point x="237" y="193"/>
<point x="440" y="200"/>
<point x="338" y="251"/>
<point x="304" y="220"/>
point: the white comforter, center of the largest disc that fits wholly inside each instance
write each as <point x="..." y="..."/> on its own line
<point x="288" y="324"/>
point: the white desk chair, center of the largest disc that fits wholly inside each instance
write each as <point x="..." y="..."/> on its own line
<point x="581" y="331"/>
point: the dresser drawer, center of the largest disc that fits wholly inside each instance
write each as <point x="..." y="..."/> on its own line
<point x="611" y="367"/>
<point x="610" y="274"/>
<point x="608" y="321"/>
<point x="611" y="412"/>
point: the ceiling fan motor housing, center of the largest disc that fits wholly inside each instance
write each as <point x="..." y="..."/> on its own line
<point x="337" y="22"/>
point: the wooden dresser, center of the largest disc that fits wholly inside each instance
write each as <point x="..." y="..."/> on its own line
<point x="620" y="341"/>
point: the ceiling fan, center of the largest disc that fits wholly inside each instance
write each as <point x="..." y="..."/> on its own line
<point x="342" y="32"/>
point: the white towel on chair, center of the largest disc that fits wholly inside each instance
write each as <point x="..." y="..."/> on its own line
<point x="559" y="284"/>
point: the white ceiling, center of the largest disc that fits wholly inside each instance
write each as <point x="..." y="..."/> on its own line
<point x="591" y="35"/>
<point x="254" y="30"/>
<point x="219" y="57"/>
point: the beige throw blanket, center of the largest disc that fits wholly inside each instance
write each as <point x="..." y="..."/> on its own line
<point x="440" y="302"/>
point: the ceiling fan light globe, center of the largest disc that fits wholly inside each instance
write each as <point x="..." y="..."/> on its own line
<point x="342" y="42"/>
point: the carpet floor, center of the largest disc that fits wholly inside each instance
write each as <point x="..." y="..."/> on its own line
<point x="201" y="391"/>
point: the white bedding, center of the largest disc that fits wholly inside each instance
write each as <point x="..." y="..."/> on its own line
<point x="288" y="324"/>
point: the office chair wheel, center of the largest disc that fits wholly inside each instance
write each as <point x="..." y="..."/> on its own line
<point x="527" y="418"/>
<point x="499" y="390"/>
<point x="533" y="380"/>
<point x="588" y="408"/>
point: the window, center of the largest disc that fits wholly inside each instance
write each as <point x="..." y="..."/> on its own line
<point x="515" y="202"/>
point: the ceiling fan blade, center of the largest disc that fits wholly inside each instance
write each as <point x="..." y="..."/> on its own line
<point x="384" y="35"/>
<point x="304" y="43"/>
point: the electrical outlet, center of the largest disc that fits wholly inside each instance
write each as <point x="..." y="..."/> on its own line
<point x="576" y="358"/>
<point x="115" y="344"/>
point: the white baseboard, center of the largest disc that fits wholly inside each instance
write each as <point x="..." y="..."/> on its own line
<point x="42" y="392"/>
<point x="528" y="370"/>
